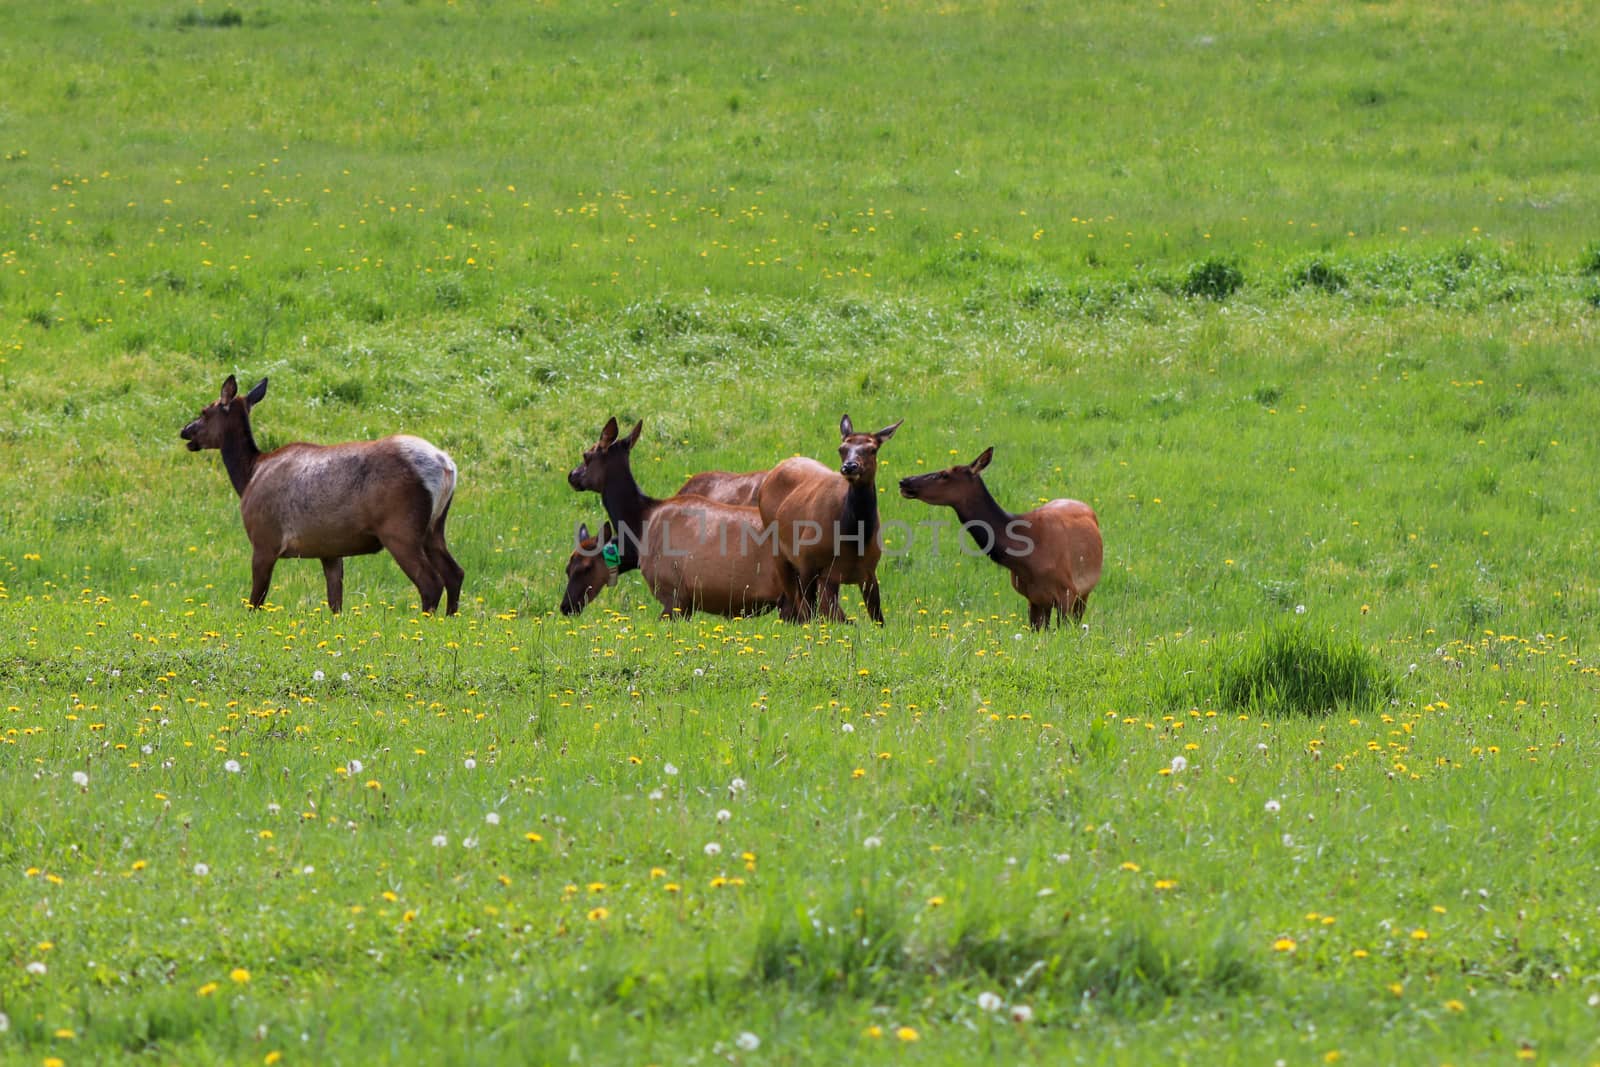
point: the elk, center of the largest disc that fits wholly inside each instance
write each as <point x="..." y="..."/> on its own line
<point x="1053" y="552"/>
<point x="331" y="501"/>
<point x="588" y="569"/>
<point x="827" y="526"/>
<point x="708" y="549"/>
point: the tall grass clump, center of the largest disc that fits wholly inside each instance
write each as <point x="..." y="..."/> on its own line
<point x="1213" y="279"/>
<point x="1290" y="669"/>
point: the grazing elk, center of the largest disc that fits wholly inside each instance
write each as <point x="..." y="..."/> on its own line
<point x="827" y="526"/>
<point x="1053" y="552"/>
<point x="590" y="569"/>
<point x="331" y="501"/>
<point x="724" y="487"/>
<point x="709" y="551"/>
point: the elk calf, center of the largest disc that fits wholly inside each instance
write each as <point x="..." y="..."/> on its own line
<point x="331" y="501"/>
<point x="591" y="567"/>
<point x="1053" y="552"/>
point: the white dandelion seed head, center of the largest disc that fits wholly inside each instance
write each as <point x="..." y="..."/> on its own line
<point x="80" y="779"/>
<point x="146" y="749"/>
<point x="988" y="1001"/>
<point x="469" y="842"/>
<point x="872" y="842"/>
<point x="1299" y="609"/>
<point x="317" y="676"/>
<point x="846" y="728"/>
<point x="737" y="786"/>
<point x="713" y="849"/>
<point x="1273" y="806"/>
<point x="493" y="818"/>
<point x="231" y="766"/>
<point x="36" y="967"/>
<point x="747" y="1041"/>
<point x="201" y="870"/>
<point x="355" y="766"/>
<point x="440" y="840"/>
<point x="274" y="807"/>
<point x="1179" y="764"/>
<point x="670" y="769"/>
<point x="1261" y="746"/>
<point x="5" y="1022"/>
<point x="1021" y="1013"/>
<point x="1288" y="840"/>
<point x="345" y="677"/>
<point x="655" y="794"/>
<point x="699" y="672"/>
<point x="724" y="815"/>
<point x="470" y="764"/>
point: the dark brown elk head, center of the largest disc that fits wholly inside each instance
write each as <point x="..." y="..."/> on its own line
<point x="589" y="570"/>
<point x="602" y="458"/>
<point x="225" y="419"/>
<point x="858" y="452"/>
<point x="951" y="487"/>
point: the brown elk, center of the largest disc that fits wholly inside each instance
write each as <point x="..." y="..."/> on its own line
<point x="1053" y="552"/>
<point x="827" y="526"/>
<point x="331" y="501"/>
<point x="588" y="571"/>
<point x="708" y="547"/>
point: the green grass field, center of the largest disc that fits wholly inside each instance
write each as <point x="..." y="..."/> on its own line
<point x="1303" y="299"/>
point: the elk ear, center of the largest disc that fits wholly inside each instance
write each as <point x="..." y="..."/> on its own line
<point x="887" y="432"/>
<point x="583" y="532"/>
<point x="607" y="533"/>
<point x="609" y="432"/>
<point x="254" y="396"/>
<point x="633" y="435"/>
<point x="230" y="389"/>
<point x="983" y="460"/>
<point x="846" y="428"/>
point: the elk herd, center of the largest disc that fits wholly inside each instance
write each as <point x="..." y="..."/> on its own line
<point x="783" y="539"/>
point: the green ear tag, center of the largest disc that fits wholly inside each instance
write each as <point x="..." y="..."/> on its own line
<point x="611" y="555"/>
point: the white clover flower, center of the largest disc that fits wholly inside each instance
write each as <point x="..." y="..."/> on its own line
<point x="1273" y="806"/>
<point x="440" y="840"/>
<point x="493" y="818"/>
<point x="747" y="1041"/>
<point x="989" y="1001"/>
<point x="1179" y="764"/>
<point x="713" y="849"/>
<point x="201" y="870"/>
<point x="231" y="766"/>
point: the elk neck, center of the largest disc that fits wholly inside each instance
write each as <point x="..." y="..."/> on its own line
<point x="981" y="508"/>
<point x="627" y="507"/>
<point x="860" y="513"/>
<point x="239" y="456"/>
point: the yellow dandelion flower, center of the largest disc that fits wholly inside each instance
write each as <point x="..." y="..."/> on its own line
<point x="1284" y="944"/>
<point x="935" y="902"/>
<point x="206" y="990"/>
<point x="272" y="1057"/>
<point x="1454" y="1005"/>
<point x="873" y="1031"/>
<point x="1419" y="934"/>
<point x="66" y="1034"/>
<point x="534" y="837"/>
<point x="597" y="915"/>
<point x="907" y="1034"/>
<point x="239" y="976"/>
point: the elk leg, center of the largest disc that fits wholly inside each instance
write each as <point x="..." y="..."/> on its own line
<point x="828" y="597"/>
<point x="1079" y="605"/>
<point x="333" y="572"/>
<point x="870" y="594"/>
<point x="261" y="564"/>
<point x="791" y="606"/>
<point x="449" y="569"/>
<point x="413" y="559"/>
<point x="1039" y="615"/>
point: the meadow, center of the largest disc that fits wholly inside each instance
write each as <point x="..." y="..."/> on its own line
<point x="1303" y="299"/>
